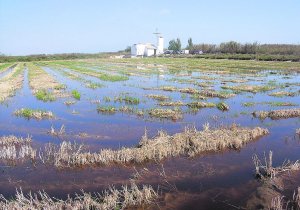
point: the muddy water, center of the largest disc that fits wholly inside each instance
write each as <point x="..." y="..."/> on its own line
<point x="210" y="181"/>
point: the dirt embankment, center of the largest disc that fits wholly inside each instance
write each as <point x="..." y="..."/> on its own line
<point x="11" y="82"/>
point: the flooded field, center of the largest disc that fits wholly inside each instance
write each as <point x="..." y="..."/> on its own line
<point x="147" y="133"/>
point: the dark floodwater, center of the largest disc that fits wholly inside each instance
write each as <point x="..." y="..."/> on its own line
<point x="204" y="182"/>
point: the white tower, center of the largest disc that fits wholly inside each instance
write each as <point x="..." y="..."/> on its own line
<point x="160" y="43"/>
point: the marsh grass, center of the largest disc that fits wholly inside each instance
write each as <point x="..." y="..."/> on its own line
<point x="173" y="114"/>
<point x="171" y="103"/>
<point x="94" y="85"/>
<point x="107" y="99"/>
<point x="282" y="94"/>
<point x="222" y="106"/>
<point x="278" y="103"/>
<point x="250" y="88"/>
<point x="131" y="100"/>
<point x="199" y="105"/>
<point x="189" y="90"/>
<point x="45" y="95"/>
<point x="158" y="97"/>
<point x="197" y="96"/>
<point x="107" y="109"/>
<point x="127" y="197"/>
<point x="271" y="103"/>
<point x="69" y="103"/>
<point x="60" y="87"/>
<point x="34" y="113"/>
<point x="249" y="104"/>
<point x="215" y="94"/>
<point x="126" y="109"/>
<point x="278" y="114"/>
<point x="14" y="148"/>
<point x="168" y="88"/>
<point x="189" y="143"/>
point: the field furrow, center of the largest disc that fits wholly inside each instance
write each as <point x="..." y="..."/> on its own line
<point x="44" y="86"/>
<point x="11" y="82"/>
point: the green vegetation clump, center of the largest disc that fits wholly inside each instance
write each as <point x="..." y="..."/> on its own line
<point x="168" y="88"/>
<point x="277" y="103"/>
<point x="5" y="66"/>
<point x="107" y="109"/>
<point x="197" y="96"/>
<point x="107" y="99"/>
<point x="282" y="94"/>
<point x="131" y="100"/>
<point x="171" y="103"/>
<point x="112" y="78"/>
<point x="45" y="95"/>
<point x="222" y="106"/>
<point x="199" y="105"/>
<point x="93" y="85"/>
<point x="76" y="94"/>
<point x="165" y="113"/>
<point x="248" y="104"/>
<point x="158" y="97"/>
<point x="34" y="113"/>
<point x="60" y="87"/>
<point x="250" y="88"/>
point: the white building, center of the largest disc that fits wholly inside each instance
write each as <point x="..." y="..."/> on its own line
<point x="141" y="49"/>
<point x="148" y="49"/>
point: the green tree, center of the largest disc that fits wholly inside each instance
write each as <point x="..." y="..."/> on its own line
<point x="175" y="45"/>
<point x="190" y="44"/>
<point x="128" y="49"/>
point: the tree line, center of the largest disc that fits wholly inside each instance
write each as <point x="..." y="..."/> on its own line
<point x="233" y="47"/>
<point x="46" y="57"/>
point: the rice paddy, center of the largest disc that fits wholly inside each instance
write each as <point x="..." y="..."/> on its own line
<point x="152" y="133"/>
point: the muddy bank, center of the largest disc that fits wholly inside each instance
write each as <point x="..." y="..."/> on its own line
<point x="278" y="188"/>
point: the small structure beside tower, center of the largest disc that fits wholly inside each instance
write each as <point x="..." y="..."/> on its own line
<point x="148" y="49"/>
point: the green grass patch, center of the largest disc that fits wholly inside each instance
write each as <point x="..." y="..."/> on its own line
<point x="44" y="95"/>
<point x="34" y="113"/>
<point x="222" y="106"/>
<point x="248" y="104"/>
<point x="107" y="109"/>
<point x="76" y="94"/>
<point x="131" y="100"/>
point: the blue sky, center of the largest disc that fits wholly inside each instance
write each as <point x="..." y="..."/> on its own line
<point x="64" y="26"/>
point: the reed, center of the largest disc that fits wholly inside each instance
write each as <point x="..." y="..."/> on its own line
<point x="13" y="148"/>
<point x="125" y="198"/>
<point x="188" y="143"/>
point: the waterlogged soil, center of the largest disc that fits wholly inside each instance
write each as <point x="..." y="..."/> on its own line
<point x="210" y="181"/>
